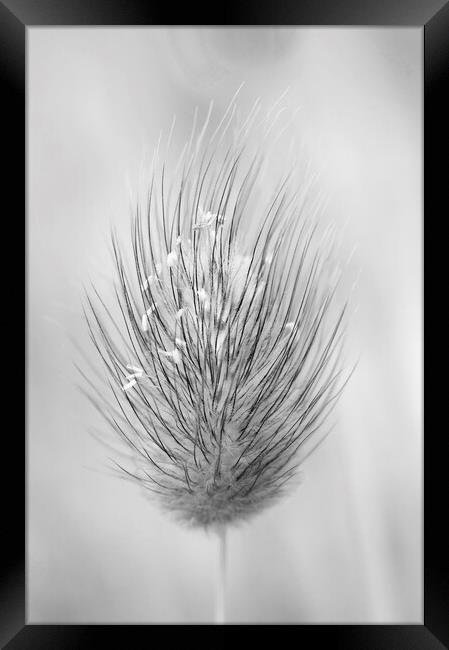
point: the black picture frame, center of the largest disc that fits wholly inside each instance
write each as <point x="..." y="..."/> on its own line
<point x="433" y="16"/>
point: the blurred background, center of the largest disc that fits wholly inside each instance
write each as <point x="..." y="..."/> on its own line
<point x="346" y="545"/>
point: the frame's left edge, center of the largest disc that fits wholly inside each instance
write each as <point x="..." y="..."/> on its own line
<point x="12" y="84"/>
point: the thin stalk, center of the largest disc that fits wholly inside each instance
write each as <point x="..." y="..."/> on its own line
<point x="220" y="616"/>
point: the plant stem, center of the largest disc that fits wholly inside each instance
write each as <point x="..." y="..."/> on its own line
<point x="221" y="577"/>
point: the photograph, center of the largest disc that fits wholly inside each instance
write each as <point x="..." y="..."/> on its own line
<point x="224" y="325"/>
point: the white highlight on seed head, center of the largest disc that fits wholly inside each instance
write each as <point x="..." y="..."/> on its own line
<point x="175" y="354"/>
<point x="151" y="309"/>
<point x="289" y="326"/>
<point x="158" y="267"/>
<point x="129" y="384"/>
<point x="178" y="240"/>
<point x="180" y="343"/>
<point x="180" y="312"/>
<point x="151" y="279"/>
<point x="204" y="299"/>
<point x="172" y="258"/>
<point x="206" y="219"/>
<point x="202" y="295"/>
<point x="135" y="368"/>
<point x="135" y="374"/>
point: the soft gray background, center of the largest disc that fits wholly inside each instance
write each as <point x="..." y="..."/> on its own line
<point x="346" y="546"/>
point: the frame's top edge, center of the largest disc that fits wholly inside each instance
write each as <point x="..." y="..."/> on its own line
<point x="289" y="13"/>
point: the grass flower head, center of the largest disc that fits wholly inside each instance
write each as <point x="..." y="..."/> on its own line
<point x="225" y="358"/>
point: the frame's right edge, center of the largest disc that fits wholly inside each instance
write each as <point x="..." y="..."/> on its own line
<point x="436" y="191"/>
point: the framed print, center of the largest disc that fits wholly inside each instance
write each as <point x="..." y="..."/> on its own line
<point x="224" y="227"/>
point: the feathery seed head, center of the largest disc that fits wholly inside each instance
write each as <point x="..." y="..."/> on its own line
<point x="234" y="345"/>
